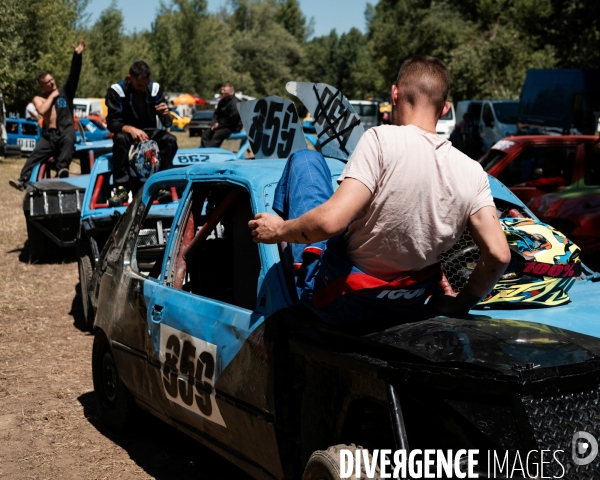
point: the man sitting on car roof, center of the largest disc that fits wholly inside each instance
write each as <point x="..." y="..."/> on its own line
<point x="405" y="196"/>
<point x="56" y="108"/>
<point x="133" y="105"/>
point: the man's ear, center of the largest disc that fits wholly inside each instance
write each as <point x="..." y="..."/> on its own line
<point x="128" y="77"/>
<point x="394" y="97"/>
<point x="446" y="109"/>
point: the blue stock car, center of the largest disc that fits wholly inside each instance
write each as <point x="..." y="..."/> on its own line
<point x="200" y="326"/>
<point x="23" y="133"/>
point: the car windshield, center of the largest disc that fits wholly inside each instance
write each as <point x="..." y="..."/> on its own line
<point x="491" y="158"/>
<point x="507" y="111"/>
<point x="448" y="116"/>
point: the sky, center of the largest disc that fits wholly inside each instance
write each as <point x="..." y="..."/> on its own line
<point x="328" y="14"/>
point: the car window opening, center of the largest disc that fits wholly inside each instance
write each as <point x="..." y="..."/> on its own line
<point x="216" y="256"/>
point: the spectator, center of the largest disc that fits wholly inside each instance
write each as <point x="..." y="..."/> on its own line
<point x="226" y="119"/>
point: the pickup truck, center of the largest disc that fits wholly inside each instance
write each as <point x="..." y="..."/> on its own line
<point x="200" y="326"/>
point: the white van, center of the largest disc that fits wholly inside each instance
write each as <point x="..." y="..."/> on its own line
<point x="495" y="119"/>
<point x="82" y="107"/>
<point x="368" y="112"/>
<point x="446" y="124"/>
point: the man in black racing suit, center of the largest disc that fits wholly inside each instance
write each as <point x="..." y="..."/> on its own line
<point x="58" y="136"/>
<point x="133" y="105"/>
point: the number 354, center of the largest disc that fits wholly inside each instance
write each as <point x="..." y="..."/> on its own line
<point x="183" y="359"/>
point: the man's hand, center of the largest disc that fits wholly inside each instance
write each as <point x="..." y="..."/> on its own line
<point x="136" y="134"/>
<point x="264" y="228"/>
<point x="162" y="109"/>
<point x="55" y="93"/>
<point x="79" y="48"/>
<point x="213" y="127"/>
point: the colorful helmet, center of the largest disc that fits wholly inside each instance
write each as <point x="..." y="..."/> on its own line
<point x="144" y="160"/>
<point x="543" y="267"/>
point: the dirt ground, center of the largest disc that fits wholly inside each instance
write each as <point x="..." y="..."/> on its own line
<point x="49" y="426"/>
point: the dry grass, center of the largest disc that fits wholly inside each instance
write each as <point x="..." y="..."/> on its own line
<point x="48" y="421"/>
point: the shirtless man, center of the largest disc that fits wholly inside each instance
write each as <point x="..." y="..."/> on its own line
<point x="56" y="107"/>
<point x="405" y="196"/>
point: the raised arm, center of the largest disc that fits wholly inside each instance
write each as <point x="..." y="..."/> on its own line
<point x="320" y="223"/>
<point x="73" y="80"/>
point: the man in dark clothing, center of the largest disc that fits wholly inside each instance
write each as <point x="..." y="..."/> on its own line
<point x="226" y="119"/>
<point x="58" y="136"/>
<point x="133" y="105"/>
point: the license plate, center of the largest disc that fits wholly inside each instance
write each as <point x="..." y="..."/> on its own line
<point x="26" y="144"/>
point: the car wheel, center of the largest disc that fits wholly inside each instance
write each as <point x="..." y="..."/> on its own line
<point x="115" y="404"/>
<point x="85" y="279"/>
<point x="186" y="129"/>
<point x="36" y="242"/>
<point x="326" y="464"/>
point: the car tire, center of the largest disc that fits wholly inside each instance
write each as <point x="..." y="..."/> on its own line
<point x="116" y="405"/>
<point x="84" y="264"/>
<point x="36" y="242"/>
<point x="325" y="464"/>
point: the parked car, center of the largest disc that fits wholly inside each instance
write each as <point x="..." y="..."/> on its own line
<point x="560" y="101"/>
<point x="200" y="121"/>
<point x="52" y="206"/>
<point x="575" y="210"/>
<point x="492" y="119"/>
<point x="197" y="324"/>
<point x="447" y="123"/>
<point x="533" y="165"/>
<point x="94" y="130"/>
<point x="201" y="328"/>
<point x="6" y="149"/>
<point x="368" y="111"/>
<point x="180" y="124"/>
<point x="23" y="133"/>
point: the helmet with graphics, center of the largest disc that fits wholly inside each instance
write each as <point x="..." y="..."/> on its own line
<point x="144" y="160"/>
<point x="543" y="267"/>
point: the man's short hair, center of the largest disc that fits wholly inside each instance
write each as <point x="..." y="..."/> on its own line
<point x="425" y="77"/>
<point x="41" y="76"/>
<point x="140" y="69"/>
<point x="228" y="84"/>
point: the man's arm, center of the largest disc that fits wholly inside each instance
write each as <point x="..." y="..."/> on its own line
<point x="43" y="105"/>
<point x="71" y="84"/>
<point x="113" y="105"/>
<point x="495" y="257"/>
<point x="320" y="223"/>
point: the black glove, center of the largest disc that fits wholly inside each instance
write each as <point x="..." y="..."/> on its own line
<point x="451" y="306"/>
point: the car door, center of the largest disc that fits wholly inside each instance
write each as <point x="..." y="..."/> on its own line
<point x="203" y="319"/>
<point x="134" y="258"/>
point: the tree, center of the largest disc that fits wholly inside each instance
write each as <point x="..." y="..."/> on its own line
<point x="266" y="55"/>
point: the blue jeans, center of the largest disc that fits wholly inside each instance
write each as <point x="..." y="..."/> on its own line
<point x="325" y="277"/>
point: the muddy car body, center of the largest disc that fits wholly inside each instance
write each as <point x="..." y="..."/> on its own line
<point x="202" y="330"/>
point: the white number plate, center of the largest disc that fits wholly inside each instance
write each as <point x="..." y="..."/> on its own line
<point x="26" y="144"/>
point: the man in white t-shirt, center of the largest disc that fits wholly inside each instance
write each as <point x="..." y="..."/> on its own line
<point x="405" y="196"/>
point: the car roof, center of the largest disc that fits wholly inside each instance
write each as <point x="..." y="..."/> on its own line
<point x="21" y="120"/>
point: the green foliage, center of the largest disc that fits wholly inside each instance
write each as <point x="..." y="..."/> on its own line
<point x="260" y="45"/>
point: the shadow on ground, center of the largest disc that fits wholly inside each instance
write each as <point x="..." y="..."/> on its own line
<point x="54" y="254"/>
<point x="163" y="451"/>
<point x="76" y="312"/>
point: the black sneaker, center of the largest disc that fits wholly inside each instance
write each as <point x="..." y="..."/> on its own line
<point x="119" y="198"/>
<point x="18" y="184"/>
<point x="63" y="173"/>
